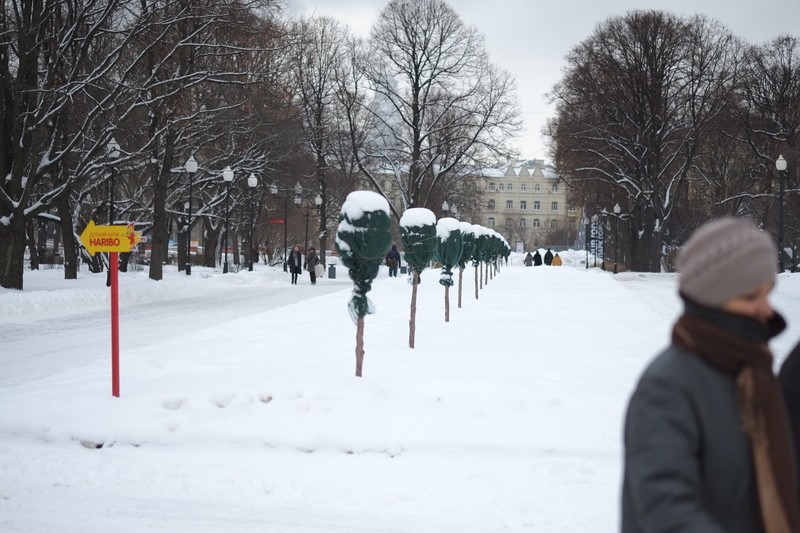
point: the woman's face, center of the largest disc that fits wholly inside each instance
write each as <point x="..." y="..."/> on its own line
<point x="754" y="303"/>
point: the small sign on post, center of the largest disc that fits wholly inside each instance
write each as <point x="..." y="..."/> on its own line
<point x="112" y="239"/>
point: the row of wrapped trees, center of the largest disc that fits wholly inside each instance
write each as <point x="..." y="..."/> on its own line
<point x="676" y="120"/>
<point x="363" y="239"/>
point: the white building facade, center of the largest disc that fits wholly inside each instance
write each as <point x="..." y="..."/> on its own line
<point x="527" y="203"/>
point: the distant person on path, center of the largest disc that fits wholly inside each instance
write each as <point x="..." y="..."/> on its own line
<point x="528" y="260"/>
<point x="312" y="260"/>
<point x="548" y="257"/>
<point x="556" y="260"/>
<point x="393" y="261"/>
<point x="707" y="442"/>
<point x="295" y="263"/>
<point x="537" y="259"/>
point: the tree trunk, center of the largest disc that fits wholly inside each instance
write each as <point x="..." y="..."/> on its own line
<point x="447" y="303"/>
<point x="67" y="229"/>
<point x="124" y="259"/>
<point x="460" y="280"/>
<point x="212" y="240"/>
<point x="33" y="250"/>
<point x="476" y="281"/>
<point x="413" y="318"/>
<point x="359" y="345"/>
<point x="12" y="254"/>
<point x="159" y="235"/>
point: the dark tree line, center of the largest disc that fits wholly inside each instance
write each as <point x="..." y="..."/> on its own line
<point x="230" y="83"/>
<point x="676" y="120"/>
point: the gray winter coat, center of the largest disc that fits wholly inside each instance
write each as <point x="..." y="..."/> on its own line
<point x="688" y="465"/>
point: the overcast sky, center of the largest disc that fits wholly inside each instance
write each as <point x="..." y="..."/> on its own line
<point x="530" y="38"/>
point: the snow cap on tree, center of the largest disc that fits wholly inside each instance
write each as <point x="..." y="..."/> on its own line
<point x="449" y="247"/>
<point x="363" y="237"/>
<point x="418" y="233"/>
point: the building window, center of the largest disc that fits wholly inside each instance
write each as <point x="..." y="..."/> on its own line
<point x="509" y="187"/>
<point x="522" y="223"/>
<point x="490" y="222"/>
<point x="554" y="187"/>
<point x="491" y="204"/>
<point x="523" y="205"/>
<point x="537" y="205"/>
<point x="509" y="204"/>
<point x="553" y="206"/>
<point x="524" y="187"/>
<point x="536" y="223"/>
<point x="491" y="187"/>
<point x="500" y="187"/>
<point x="509" y="223"/>
<point x="554" y="224"/>
<point x="536" y="188"/>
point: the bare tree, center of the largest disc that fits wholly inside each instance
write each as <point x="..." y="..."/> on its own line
<point x="424" y="86"/>
<point x="634" y="100"/>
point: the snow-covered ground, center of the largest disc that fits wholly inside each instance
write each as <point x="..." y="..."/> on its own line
<point x="239" y="409"/>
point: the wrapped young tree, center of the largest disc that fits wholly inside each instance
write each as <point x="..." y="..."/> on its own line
<point x="468" y="236"/>
<point x="418" y="233"/>
<point x="450" y="244"/>
<point x="362" y="240"/>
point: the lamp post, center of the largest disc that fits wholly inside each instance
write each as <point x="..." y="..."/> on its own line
<point x="191" y="168"/>
<point x="595" y="237"/>
<point x="113" y="153"/>
<point x="445" y="207"/>
<point x="307" y="215"/>
<point x="227" y="176"/>
<point x="252" y="182"/>
<point x="617" y="210"/>
<point x="780" y="165"/>
<point x="298" y="190"/>
<point x="112" y="148"/>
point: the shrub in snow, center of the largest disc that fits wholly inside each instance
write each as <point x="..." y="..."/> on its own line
<point x="418" y="234"/>
<point x="363" y="237"/>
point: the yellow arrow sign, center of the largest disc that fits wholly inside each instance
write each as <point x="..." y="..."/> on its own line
<point x="109" y="238"/>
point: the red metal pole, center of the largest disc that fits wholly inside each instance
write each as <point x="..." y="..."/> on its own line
<point x="114" y="269"/>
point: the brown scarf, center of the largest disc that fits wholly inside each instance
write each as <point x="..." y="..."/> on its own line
<point x="761" y="410"/>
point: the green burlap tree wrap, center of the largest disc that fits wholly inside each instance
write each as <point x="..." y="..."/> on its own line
<point x="362" y="243"/>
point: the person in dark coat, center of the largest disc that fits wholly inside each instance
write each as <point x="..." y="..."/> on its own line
<point x="537" y="259"/>
<point x="789" y="378"/>
<point x="548" y="257"/>
<point x="393" y="261"/>
<point x="528" y="260"/>
<point x="295" y="263"/>
<point x="707" y="442"/>
<point x="312" y="260"/>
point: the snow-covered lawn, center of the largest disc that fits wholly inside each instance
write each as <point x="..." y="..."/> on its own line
<point x="239" y="409"/>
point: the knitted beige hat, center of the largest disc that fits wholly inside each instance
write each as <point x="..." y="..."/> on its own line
<point x="725" y="258"/>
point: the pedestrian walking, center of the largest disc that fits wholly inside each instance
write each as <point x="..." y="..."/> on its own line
<point x="537" y="259"/>
<point x="557" y="260"/>
<point x="295" y="263"/>
<point x="707" y="442"/>
<point x="528" y="260"/>
<point x="312" y="260"/>
<point x="393" y="261"/>
<point x="548" y="257"/>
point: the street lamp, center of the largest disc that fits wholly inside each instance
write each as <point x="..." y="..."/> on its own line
<point x="298" y="190"/>
<point x="112" y="149"/>
<point x="113" y="153"/>
<point x="252" y="182"/>
<point x="780" y="165"/>
<point x="595" y="237"/>
<point x="307" y="215"/>
<point x="445" y="207"/>
<point x="617" y="210"/>
<point x="227" y="175"/>
<point x="191" y="168"/>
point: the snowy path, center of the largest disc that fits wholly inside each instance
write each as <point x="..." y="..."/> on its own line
<point x="45" y="346"/>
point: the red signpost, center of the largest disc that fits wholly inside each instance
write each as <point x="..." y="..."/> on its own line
<point x="112" y="239"/>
